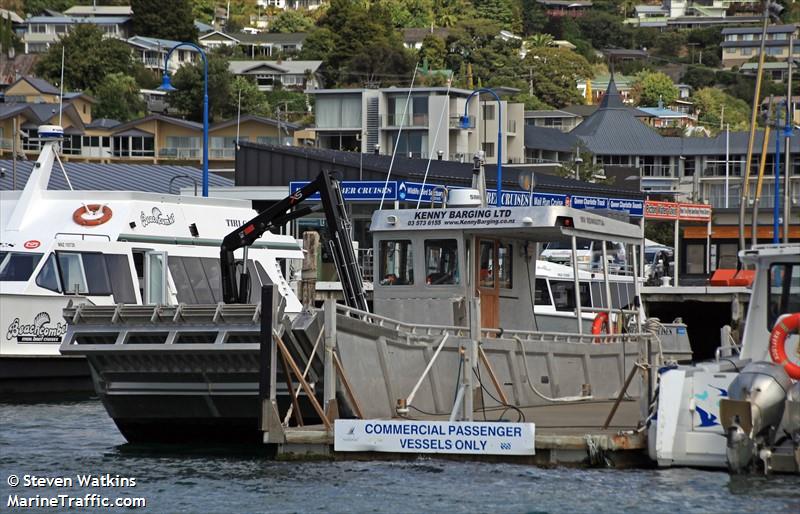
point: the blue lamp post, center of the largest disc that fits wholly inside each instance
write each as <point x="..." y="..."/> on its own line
<point x="465" y="125"/>
<point x="167" y="86"/>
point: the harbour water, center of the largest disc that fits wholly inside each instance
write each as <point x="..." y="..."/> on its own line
<point x="78" y="438"/>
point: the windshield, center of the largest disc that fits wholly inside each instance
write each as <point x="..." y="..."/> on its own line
<point x="17" y="266"/>
<point x="582" y="244"/>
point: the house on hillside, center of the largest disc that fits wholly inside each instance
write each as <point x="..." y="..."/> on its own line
<point x="152" y="52"/>
<point x="262" y="44"/>
<point x="741" y="44"/>
<point x="43" y="31"/>
<point x="289" y="74"/>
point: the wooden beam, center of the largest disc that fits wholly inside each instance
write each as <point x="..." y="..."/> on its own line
<point x="303" y="383"/>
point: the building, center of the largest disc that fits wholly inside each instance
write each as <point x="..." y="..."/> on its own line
<point x="424" y="124"/>
<point x="598" y="85"/>
<point x="687" y="14"/>
<point x="291" y="4"/>
<point x="259" y="45"/>
<point x="556" y="119"/>
<point x="774" y="71"/>
<point x="688" y="169"/>
<point x="288" y="74"/>
<point x="152" y="52"/>
<point x="664" y="118"/>
<point x="413" y="37"/>
<point x="43" y="31"/>
<point x="571" y="8"/>
<point x="741" y="44"/>
<point x="98" y="11"/>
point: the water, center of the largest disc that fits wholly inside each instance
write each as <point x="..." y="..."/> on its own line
<point x="66" y="439"/>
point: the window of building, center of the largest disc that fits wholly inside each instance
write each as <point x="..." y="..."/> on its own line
<point x="488" y="111"/>
<point x="695" y="258"/>
<point x="747" y="52"/>
<point x="727" y="255"/>
<point x="784" y="291"/>
<point x="396" y="263"/>
<point x="553" y="122"/>
<point x="441" y="262"/>
<point x="338" y="111"/>
<point x="488" y="149"/>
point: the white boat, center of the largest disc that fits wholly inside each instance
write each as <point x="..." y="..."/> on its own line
<point x="742" y="409"/>
<point x="106" y="248"/>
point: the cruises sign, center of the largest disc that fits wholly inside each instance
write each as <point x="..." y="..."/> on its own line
<point x="358" y="190"/>
<point x="461" y="437"/>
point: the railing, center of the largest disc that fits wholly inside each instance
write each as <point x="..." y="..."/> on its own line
<point x="126" y="154"/>
<point x="409" y="120"/>
<point x="657" y="170"/>
<point x="461" y="157"/>
<point x="455" y="122"/>
<point x="5" y="143"/>
<point x="181" y="153"/>
<point x="365" y="261"/>
<point x="717" y="169"/>
<point x="222" y="153"/>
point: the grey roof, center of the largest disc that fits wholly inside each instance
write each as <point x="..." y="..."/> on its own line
<point x="78" y="20"/>
<point x="550" y="113"/>
<point x="566" y="3"/>
<point x="113" y="177"/>
<point x="156" y="43"/>
<point x="99" y="10"/>
<point x="253" y="117"/>
<point x="168" y="119"/>
<point x="286" y="66"/>
<point x="103" y="123"/>
<point x="133" y="132"/>
<point x="269" y="37"/>
<point x="772" y="29"/>
<point x="544" y="138"/>
<point x="202" y="27"/>
<point x="41" y="85"/>
<point x="754" y="43"/>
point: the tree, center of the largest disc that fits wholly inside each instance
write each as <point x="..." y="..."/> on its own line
<point x="501" y="11"/>
<point x="603" y="30"/>
<point x="253" y="101"/>
<point x="118" y="98"/>
<point x="433" y="52"/>
<point x="650" y="88"/>
<point x="36" y="7"/>
<point x="410" y="13"/>
<point x="88" y="58"/>
<point x="152" y="18"/>
<point x="534" y="17"/>
<point x="539" y="40"/>
<point x="699" y="77"/>
<point x="554" y="73"/>
<point x="318" y="45"/>
<point x="671" y="44"/>
<point x="709" y="103"/>
<point x="188" y="96"/>
<point x="291" y="21"/>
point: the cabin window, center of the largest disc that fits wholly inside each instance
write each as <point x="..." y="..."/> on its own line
<point x="197" y="279"/>
<point x="48" y="276"/>
<point x="504" y="265"/>
<point x="564" y="294"/>
<point x="784" y="291"/>
<point x="487" y="264"/>
<point x="72" y="272"/>
<point x="441" y="262"/>
<point x="397" y="263"/>
<point x="17" y="266"/>
<point x="542" y="294"/>
<point x="119" y="273"/>
<point x="88" y="273"/>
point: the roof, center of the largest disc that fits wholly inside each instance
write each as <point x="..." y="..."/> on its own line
<point x="258" y="164"/>
<point x="15" y="18"/>
<point x="114" y="177"/>
<point x="102" y="123"/>
<point x="40" y="85"/>
<point x="566" y="3"/>
<point x="551" y="113"/>
<point x="417" y="35"/>
<point x="772" y="29"/>
<point x="287" y="66"/>
<point x="76" y="20"/>
<point x="258" y="119"/>
<point x="156" y="43"/>
<point x="70" y="95"/>
<point x="269" y="37"/>
<point x="203" y="27"/>
<point x="651" y="9"/>
<point x="544" y="138"/>
<point x="754" y="43"/>
<point x="133" y="132"/>
<point x="99" y="10"/>
<point x="753" y="66"/>
<point x="624" y="52"/>
<point x="662" y="112"/>
<point x="160" y="117"/>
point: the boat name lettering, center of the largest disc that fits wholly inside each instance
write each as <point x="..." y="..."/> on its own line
<point x="480" y="213"/>
<point x="40" y="331"/>
<point x="157" y="217"/>
<point x="591" y="221"/>
<point x="234" y="223"/>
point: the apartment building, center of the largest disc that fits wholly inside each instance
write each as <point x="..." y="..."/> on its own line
<point x="741" y="44"/>
<point x="423" y="124"/>
<point x="43" y="31"/>
<point x="687" y="14"/>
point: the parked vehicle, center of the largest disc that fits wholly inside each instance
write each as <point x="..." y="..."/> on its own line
<point x="589" y="253"/>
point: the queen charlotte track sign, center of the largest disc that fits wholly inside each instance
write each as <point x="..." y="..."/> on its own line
<point x="482" y="438"/>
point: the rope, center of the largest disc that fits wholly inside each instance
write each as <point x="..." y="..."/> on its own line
<point x="435" y="138"/>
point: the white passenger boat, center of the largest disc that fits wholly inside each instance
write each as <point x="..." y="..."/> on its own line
<point x="107" y="248"/>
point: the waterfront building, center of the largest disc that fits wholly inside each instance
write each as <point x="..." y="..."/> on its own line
<point x="364" y="120"/>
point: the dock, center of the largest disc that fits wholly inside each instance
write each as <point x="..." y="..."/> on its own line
<point x="566" y="435"/>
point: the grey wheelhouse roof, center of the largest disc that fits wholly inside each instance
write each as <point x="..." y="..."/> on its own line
<point x="529" y="223"/>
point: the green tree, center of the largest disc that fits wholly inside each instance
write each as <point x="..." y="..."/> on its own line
<point x="152" y="18"/>
<point x="291" y="21"/>
<point x="188" y="96"/>
<point x="671" y="44"/>
<point x="501" y="11"/>
<point x="699" y="77"/>
<point x="651" y="87"/>
<point x="539" y="40"/>
<point x="36" y="7"/>
<point x="603" y="30"/>
<point x="253" y="101"/>
<point x="433" y="52"/>
<point x="534" y="17"/>
<point x="410" y="13"/>
<point x="88" y="58"/>
<point x="554" y="73"/>
<point x="319" y="44"/>
<point x="118" y="98"/>
<point x="709" y="104"/>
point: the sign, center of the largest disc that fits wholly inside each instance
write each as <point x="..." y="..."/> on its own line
<point x="32" y="244"/>
<point x="464" y="437"/>
<point x="412" y="191"/>
<point x="632" y="207"/>
<point x="677" y="211"/>
<point x="589" y="202"/>
<point x="156" y="217"/>
<point x="523" y="199"/>
<point x="358" y="190"/>
<point x="40" y="330"/>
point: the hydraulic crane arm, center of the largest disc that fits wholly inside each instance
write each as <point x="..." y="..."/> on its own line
<point x="272" y="218"/>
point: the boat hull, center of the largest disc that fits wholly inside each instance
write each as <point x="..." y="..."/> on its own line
<point x="42" y="377"/>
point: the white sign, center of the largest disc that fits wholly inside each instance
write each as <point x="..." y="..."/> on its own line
<point x="483" y="438"/>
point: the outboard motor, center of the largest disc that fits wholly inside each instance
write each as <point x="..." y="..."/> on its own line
<point x="791" y="421"/>
<point x="753" y="412"/>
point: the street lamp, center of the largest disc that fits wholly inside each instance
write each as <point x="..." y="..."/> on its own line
<point x="465" y="125"/>
<point x="167" y="86"/>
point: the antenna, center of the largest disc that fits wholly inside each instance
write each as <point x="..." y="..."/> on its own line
<point x="61" y="96"/>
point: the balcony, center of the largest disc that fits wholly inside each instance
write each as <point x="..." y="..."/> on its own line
<point x="455" y="122"/>
<point x="181" y="153"/>
<point x="717" y="169"/>
<point x="222" y="153"/>
<point x="656" y="170"/>
<point x="409" y="120"/>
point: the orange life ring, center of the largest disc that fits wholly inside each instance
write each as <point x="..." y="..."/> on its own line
<point x="601" y="321"/>
<point x="777" y="339"/>
<point x="91" y="215"/>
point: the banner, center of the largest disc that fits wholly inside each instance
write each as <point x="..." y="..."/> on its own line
<point x="465" y="437"/>
<point x="677" y="211"/>
<point x="357" y="190"/>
